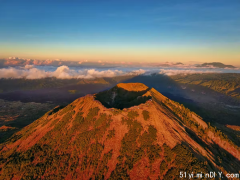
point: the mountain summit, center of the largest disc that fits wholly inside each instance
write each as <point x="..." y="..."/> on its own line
<point x="216" y="65"/>
<point x="133" y="86"/>
<point x="128" y="132"/>
<point x="124" y="95"/>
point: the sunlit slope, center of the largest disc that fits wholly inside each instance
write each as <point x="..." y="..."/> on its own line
<point x="155" y="139"/>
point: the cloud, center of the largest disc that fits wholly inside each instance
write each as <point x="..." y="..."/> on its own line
<point x="62" y="72"/>
<point x="14" y="73"/>
<point x="171" y="72"/>
<point x="10" y="73"/>
<point x="28" y="66"/>
<point x="35" y="73"/>
<point x="139" y="71"/>
<point x="92" y="73"/>
<point x="65" y="72"/>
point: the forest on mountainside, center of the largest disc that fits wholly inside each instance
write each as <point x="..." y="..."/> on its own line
<point x="226" y="83"/>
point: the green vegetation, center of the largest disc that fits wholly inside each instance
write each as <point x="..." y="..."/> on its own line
<point x="119" y="173"/>
<point x="76" y="146"/>
<point x="145" y="115"/>
<point x="103" y="168"/>
<point x="92" y="113"/>
<point x="111" y="134"/>
<point x="137" y="145"/>
<point x="174" y="160"/>
<point x="180" y="158"/>
<point x="228" y="84"/>
<point x="197" y="132"/>
<point x="116" y="111"/>
<point x="221" y="135"/>
<point x="184" y="114"/>
<point x="163" y="167"/>
<point x="67" y="109"/>
<point x="133" y="114"/>
<point x="100" y="120"/>
<point x="63" y="149"/>
<point x="79" y="119"/>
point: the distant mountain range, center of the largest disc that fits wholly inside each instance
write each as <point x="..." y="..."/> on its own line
<point x="84" y="63"/>
<point x="216" y="65"/>
<point x="128" y="132"/>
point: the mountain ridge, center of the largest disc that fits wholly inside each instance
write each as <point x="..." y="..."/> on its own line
<point x="154" y="139"/>
<point x="216" y="65"/>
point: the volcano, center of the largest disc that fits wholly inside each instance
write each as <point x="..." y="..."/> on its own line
<point x="128" y="132"/>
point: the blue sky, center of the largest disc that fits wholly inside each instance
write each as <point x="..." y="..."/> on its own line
<point x="206" y="30"/>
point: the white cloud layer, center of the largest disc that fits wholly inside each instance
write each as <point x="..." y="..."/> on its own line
<point x="171" y="72"/>
<point x="65" y="72"/>
<point x="62" y="72"/>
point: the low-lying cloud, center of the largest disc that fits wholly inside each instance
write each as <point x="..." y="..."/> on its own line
<point x="65" y="72"/>
<point x="171" y="72"/>
<point x="62" y="72"/>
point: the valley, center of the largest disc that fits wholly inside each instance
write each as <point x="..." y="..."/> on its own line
<point x="214" y="106"/>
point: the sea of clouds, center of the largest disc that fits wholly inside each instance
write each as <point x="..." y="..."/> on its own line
<point x="65" y="72"/>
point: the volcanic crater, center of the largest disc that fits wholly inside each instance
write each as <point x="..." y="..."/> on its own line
<point x="124" y="95"/>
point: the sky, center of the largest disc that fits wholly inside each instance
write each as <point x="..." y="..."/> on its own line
<point x="122" y="30"/>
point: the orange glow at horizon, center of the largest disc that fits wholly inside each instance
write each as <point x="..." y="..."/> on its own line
<point x="161" y="54"/>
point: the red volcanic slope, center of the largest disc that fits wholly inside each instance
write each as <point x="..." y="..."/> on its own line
<point x="153" y="140"/>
